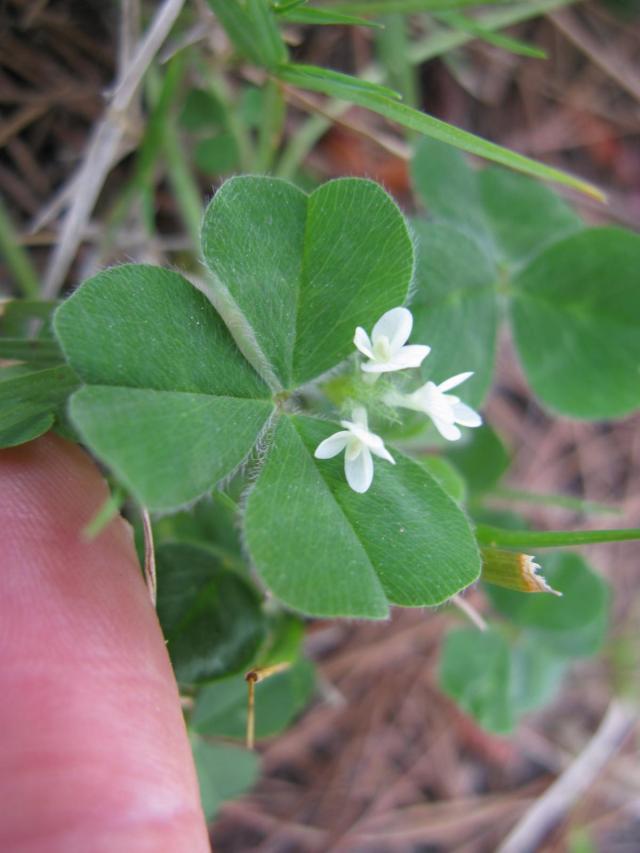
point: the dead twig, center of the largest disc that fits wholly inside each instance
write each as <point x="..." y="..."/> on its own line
<point x="556" y="801"/>
<point x="105" y="146"/>
<point x="609" y="61"/>
<point x="149" y="557"/>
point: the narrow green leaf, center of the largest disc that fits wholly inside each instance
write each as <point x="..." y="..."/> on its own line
<point x="29" y="400"/>
<point x="442" y="41"/>
<point x="169" y="402"/>
<point x="564" y="501"/>
<point x="185" y="188"/>
<point x="109" y="509"/>
<point x="293" y="275"/>
<point x="323" y="17"/>
<point x="271" y="125"/>
<point x="224" y="772"/>
<point x="497" y="537"/>
<point x="378" y="7"/>
<point x="211" y="618"/>
<point x="268" y="35"/>
<point x="33" y="351"/>
<point x="576" y="315"/>
<point x="253" y="29"/>
<point x="455" y="308"/>
<point x="472" y="26"/>
<point x="283" y="6"/>
<point x="330" y="82"/>
<point x="327" y="551"/>
<point x="440" y="130"/>
<point x="392" y="48"/>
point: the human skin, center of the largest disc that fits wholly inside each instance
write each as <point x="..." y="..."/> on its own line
<point x="94" y="755"/>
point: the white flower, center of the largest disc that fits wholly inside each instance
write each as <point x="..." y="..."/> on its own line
<point x="445" y="410"/>
<point x="386" y="350"/>
<point x="358" y="445"/>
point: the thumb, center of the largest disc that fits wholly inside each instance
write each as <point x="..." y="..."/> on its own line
<point x="93" y="750"/>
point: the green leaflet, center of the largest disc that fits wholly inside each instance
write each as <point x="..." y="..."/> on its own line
<point x="328" y="551"/>
<point x="497" y="679"/>
<point x="293" y="275"/>
<point x="169" y="402"/>
<point x="474" y="670"/>
<point x="211" y="617"/>
<point x="576" y="320"/>
<point x="29" y="400"/>
<point x="482" y="459"/>
<point x="512" y="217"/>
<point x="454" y="308"/>
<point x="572" y="292"/>
<point x="224" y="772"/>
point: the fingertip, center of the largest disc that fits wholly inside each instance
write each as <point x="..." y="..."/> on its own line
<point x="93" y="749"/>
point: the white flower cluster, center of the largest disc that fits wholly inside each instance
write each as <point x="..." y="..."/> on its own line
<point x="387" y="351"/>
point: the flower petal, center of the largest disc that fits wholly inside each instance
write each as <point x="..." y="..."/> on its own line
<point x="447" y="430"/>
<point x="458" y="379"/>
<point x="333" y="445"/>
<point x="354" y="448"/>
<point x="410" y="356"/>
<point x="359" y="471"/>
<point x="383" y="453"/>
<point x="466" y="416"/>
<point x="362" y="342"/>
<point x="375" y="367"/>
<point x="429" y="400"/>
<point x="395" y="325"/>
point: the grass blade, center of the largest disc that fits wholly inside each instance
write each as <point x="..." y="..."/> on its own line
<point x="333" y="83"/>
<point x="441" y="130"/>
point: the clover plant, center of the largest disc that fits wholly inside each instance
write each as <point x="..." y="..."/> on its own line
<point x="301" y="417"/>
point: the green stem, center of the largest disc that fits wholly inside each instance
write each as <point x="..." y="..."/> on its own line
<point x="300" y="144"/>
<point x="16" y="258"/>
<point x="497" y="537"/>
<point x="217" y="86"/>
<point x="108" y="510"/>
<point x="161" y="95"/>
<point x="393" y="46"/>
<point x="563" y="501"/>
<point x="271" y="126"/>
<point x="184" y="186"/>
